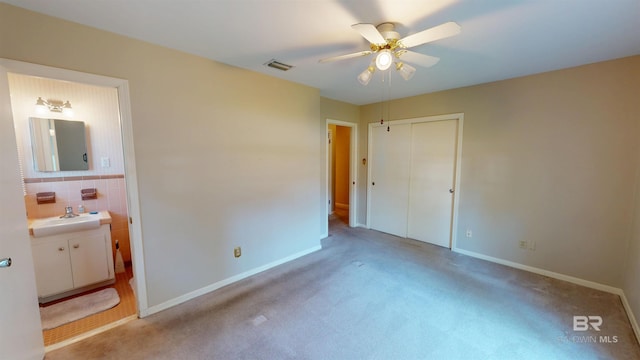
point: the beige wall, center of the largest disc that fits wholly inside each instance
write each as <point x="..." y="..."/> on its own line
<point x="218" y="165"/>
<point x="339" y="110"/>
<point x="631" y="284"/>
<point x="549" y="158"/>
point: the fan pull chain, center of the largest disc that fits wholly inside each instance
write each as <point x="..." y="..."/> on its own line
<point x="382" y="102"/>
<point x="389" y="102"/>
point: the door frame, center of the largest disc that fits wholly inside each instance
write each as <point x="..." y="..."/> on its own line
<point x="330" y="199"/>
<point x="353" y="169"/>
<point x="457" y="168"/>
<point x="131" y="180"/>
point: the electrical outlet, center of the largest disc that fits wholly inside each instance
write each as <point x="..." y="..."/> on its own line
<point x="523" y="244"/>
<point x="469" y="233"/>
<point x="237" y="252"/>
<point x="532" y="245"/>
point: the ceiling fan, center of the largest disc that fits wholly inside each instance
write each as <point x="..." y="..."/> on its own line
<point x="386" y="42"/>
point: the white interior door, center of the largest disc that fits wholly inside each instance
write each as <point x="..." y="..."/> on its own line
<point x="433" y="158"/>
<point x="21" y="333"/>
<point x="389" y="181"/>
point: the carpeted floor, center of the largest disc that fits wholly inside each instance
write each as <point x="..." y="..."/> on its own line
<point x="369" y="295"/>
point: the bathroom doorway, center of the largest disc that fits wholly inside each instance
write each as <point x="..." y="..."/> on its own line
<point x="110" y="154"/>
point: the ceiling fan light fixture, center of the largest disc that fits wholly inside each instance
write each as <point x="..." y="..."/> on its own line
<point x="384" y="60"/>
<point x="366" y="75"/>
<point x="405" y="70"/>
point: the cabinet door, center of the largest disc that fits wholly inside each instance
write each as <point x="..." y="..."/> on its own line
<point x="89" y="259"/>
<point x="52" y="266"/>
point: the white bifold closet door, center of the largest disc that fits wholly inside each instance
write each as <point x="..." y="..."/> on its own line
<point x="390" y="179"/>
<point x="433" y="158"/>
<point x="412" y="179"/>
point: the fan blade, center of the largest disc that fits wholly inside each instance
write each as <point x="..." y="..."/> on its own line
<point x="435" y="33"/>
<point x="370" y="33"/>
<point x="417" y="58"/>
<point x="347" y="56"/>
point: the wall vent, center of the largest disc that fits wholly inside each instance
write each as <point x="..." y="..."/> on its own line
<point x="278" y="65"/>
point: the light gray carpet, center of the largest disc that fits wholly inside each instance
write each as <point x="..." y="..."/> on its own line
<point x="368" y="295"/>
<point x="77" y="308"/>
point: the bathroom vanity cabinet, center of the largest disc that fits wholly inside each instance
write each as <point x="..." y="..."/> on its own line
<point x="70" y="263"/>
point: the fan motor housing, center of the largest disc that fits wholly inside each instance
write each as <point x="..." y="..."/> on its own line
<point x="388" y="31"/>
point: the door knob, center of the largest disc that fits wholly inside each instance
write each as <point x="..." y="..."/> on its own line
<point x="6" y="262"/>
<point x="76" y="246"/>
<point x="451" y="191"/>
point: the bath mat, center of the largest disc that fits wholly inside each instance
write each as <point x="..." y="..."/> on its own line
<point x="77" y="308"/>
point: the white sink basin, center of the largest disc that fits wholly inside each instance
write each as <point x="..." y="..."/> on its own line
<point x="57" y="225"/>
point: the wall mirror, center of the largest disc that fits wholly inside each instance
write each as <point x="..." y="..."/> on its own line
<point x="58" y="145"/>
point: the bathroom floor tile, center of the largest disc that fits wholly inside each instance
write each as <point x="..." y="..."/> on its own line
<point x="125" y="308"/>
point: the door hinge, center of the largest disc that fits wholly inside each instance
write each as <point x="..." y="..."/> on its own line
<point x="130" y="220"/>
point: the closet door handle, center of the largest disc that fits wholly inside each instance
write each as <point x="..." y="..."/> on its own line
<point x="61" y="248"/>
<point x="76" y="246"/>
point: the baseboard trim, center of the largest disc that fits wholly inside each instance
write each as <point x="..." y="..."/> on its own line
<point x="215" y="286"/>
<point x="631" y="315"/>
<point x="551" y="274"/>
<point x="571" y="279"/>
<point x="342" y="206"/>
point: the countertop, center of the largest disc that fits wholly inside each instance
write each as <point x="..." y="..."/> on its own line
<point x="105" y="218"/>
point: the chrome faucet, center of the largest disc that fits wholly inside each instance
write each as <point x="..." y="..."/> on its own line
<point x="68" y="213"/>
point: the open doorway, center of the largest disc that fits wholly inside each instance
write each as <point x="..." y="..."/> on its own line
<point x="109" y="150"/>
<point x="341" y="170"/>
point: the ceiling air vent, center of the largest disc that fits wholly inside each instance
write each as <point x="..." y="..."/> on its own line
<point x="278" y="65"/>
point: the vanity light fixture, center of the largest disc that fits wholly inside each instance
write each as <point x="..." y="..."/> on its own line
<point x="54" y="106"/>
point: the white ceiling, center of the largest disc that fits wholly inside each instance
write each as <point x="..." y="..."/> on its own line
<point x="500" y="39"/>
